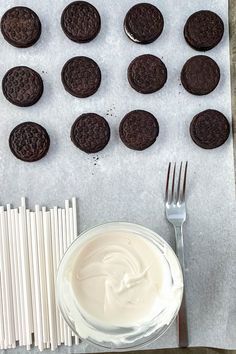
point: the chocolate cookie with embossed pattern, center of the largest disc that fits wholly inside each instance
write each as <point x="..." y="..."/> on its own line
<point x="200" y="75"/>
<point x="209" y="129"/>
<point x="21" y="27"/>
<point x="80" y="21"/>
<point x="139" y="129"/>
<point x="22" y="86"/>
<point x="147" y="73"/>
<point x="143" y="23"/>
<point x="203" y="30"/>
<point x="29" y="141"/>
<point x="90" y="133"/>
<point x="81" y="76"/>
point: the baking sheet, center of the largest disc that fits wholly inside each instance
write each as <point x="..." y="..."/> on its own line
<point x="121" y="184"/>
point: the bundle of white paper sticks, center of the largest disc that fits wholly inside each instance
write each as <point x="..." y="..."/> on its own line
<point x="32" y="244"/>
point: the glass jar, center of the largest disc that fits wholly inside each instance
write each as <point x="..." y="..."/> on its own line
<point x="119" y="337"/>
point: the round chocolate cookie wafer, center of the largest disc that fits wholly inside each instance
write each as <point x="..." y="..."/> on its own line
<point x="80" y="21"/>
<point x="22" y="86"/>
<point x="139" y="129"/>
<point x="81" y="76"/>
<point x="147" y="73"/>
<point x="203" y="30"/>
<point x="90" y="133"/>
<point x="209" y="129"/>
<point x="21" y="27"/>
<point x="200" y="75"/>
<point x="143" y="23"/>
<point x="29" y="141"/>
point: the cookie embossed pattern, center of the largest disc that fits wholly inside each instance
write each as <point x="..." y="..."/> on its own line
<point x="21" y="26"/>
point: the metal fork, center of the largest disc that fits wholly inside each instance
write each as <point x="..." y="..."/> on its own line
<point x="176" y="215"/>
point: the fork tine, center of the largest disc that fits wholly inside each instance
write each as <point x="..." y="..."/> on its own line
<point x="173" y="184"/>
<point x="178" y="199"/>
<point x="167" y="181"/>
<point x="185" y="178"/>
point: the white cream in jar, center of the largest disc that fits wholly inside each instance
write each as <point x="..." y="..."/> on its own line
<point x="119" y="281"/>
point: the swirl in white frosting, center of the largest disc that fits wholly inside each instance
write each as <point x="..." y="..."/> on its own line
<point x="118" y="280"/>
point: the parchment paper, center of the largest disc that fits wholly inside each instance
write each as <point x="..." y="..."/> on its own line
<point x="121" y="184"/>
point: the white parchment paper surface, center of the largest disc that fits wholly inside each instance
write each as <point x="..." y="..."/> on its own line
<point x="121" y="184"/>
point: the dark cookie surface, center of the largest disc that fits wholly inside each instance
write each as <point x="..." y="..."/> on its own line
<point x="203" y="30"/>
<point x="81" y="76"/>
<point x="143" y="23"/>
<point x="90" y="133"/>
<point x="147" y="73"/>
<point x="29" y="141"/>
<point x="80" y="21"/>
<point x="200" y="75"/>
<point x="209" y="129"/>
<point x="21" y="26"/>
<point x="138" y="130"/>
<point x="22" y="86"/>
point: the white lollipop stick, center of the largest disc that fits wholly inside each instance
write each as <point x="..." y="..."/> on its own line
<point x="71" y="217"/>
<point x="42" y="274"/>
<point x="50" y="278"/>
<point x="34" y="324"/>
<point x="26" y="276"/>
<point x="75" y="230"/>
<point x="68" y="234"/>
<point x="60" y="255"/>
<point x="15" y="271"/>
<point x="19" y="279"/>
<point x="37" y="292"/>
<point x="75" y="224"/>
<point x="68" y="243"/>
<point x="64" y="245"/>
<point x="71" y="221"/>
<point x="2" y="334"/>
<point x="10" y="227"/>
<point x="57" y="252"/>
<point x="55" y="273"/>
<point x="6" y="279"/>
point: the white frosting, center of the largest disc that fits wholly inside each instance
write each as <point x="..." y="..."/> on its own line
<point x="118" y="284"/>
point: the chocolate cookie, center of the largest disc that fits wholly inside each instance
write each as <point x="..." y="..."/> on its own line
<point x="81" y="76"/>
<point x="200" y="75"/>
<point x="29" y="141"/>
<point x="80" y="21"/>
<point x="138" y="130"/>
<point x="90" y="133"/>
<point x="143" y="23"/>
<point x="203" y="30"/>
<point x="22" y="86"/>
<point x="209" y="129"/>
<point x="21" y="27"/>
<point x="147" y="73"/>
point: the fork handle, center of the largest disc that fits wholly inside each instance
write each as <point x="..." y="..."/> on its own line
<point x="182" y="318"/>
